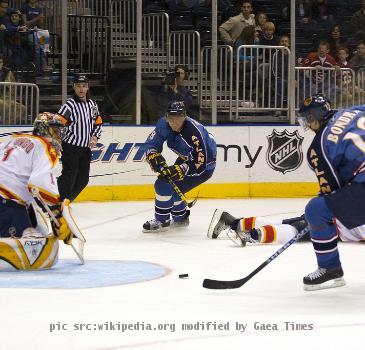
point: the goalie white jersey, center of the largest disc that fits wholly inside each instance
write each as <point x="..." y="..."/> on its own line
<point x="28" y="161"/>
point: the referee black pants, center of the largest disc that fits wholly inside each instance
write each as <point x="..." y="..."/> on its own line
<point x="75" y="170"/>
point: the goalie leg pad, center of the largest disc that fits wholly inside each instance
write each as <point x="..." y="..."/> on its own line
<point x="67" y="215"/>
<point x="31" y="252"/>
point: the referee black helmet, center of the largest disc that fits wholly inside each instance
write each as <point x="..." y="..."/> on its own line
<point x="81" y="78"/>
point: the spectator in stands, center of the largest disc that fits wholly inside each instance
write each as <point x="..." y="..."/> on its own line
<point x="280" y="69"/>
<point x="268" y="37"/>
<point x="342" y="57"/>
<point x="321" y="58"/>
<point x="4" y="19"/>
<point x="321" y="15"/>
<point x="5" y="5"/>
<point x="33" y="17"/>
<point x="249" y="36"/>
<point x="357" y="22"/>
<point x="32" y="14"/>
<point x="6" y="75"/>
<point x="358" y="61"/>
<point x="15" y="23"/>
<point x="306" y="24"/>
<point x="4" y="14"/>
<point x="349" y="90"/>
<point x="232" y="29"/>
<point x="16" y="40"/>
<point x="227" y="8"/>
<point x="261" y="19"/>
<point x="335" y="40"/>
<point x="177" y="91"/>
<point x="320" y="80"/>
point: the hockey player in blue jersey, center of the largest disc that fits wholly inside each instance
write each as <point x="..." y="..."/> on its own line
<point x="337" y="157"/>
<point x="196" y="150"/>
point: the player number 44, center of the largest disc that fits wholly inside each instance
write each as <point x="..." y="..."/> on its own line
<point x="355" y="138"/>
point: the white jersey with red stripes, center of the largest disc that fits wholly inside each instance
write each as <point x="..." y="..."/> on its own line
<point x="28" y="161"/>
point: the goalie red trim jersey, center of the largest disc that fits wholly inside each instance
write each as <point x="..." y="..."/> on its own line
<point x="28" y="161"/>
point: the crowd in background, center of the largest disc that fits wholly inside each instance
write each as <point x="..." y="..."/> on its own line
<point x="23" y="40"/>
<point x="329" y="34"/>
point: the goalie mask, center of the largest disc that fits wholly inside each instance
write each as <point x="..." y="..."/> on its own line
<point x="49" y="126"/>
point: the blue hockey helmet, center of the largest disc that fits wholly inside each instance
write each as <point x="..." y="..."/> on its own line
<point x="176" y="108"/>
<point x="314" y="108"/>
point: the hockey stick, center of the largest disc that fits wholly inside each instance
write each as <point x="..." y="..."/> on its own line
<point x="79" y="252"/>
<point x="214" y="284"/>
<point x="119" y="172"/>
<point x="181" y="195"/>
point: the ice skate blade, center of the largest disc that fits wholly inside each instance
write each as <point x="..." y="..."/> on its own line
<point x="337" y="282"/>
<point x="179" y="227"/>
<point x="216" y="216"/>
<point x="162" y="229"/>
<point x="235" y="238"/>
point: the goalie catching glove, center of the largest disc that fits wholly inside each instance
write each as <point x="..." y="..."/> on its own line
<point x="62" y="231"/>
<point x="156" y="161"/>
<point x="174" y="172"/>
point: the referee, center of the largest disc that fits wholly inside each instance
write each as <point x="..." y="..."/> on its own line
<point x="82" y="121"/>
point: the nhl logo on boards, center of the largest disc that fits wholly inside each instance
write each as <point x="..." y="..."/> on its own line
<point x="284" y="153"/>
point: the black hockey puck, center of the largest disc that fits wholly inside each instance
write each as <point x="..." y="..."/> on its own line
<point x="184" y="275"/>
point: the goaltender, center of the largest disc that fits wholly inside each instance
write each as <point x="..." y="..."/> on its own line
<point x="28" y="162"/>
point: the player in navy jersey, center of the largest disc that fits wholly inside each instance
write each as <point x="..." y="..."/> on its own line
<point x="337" y="157"/>
<point x="196" y="149"/>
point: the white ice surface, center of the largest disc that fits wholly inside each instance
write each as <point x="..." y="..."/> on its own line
<point x="275" y="295"/>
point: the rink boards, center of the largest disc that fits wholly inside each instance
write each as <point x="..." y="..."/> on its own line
<point x="252" y="161"/>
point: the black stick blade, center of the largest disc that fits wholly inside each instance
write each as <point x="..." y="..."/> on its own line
<point x="192" y="203"/>
<point x="214" y="284"/>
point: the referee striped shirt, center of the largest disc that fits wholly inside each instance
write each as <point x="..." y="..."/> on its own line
<point x="82" y="121"/>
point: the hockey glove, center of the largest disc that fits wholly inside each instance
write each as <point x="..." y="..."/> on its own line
<point x="62" y="231"/>
<point x="156" y="161"/>
<point x="174" y="173"/>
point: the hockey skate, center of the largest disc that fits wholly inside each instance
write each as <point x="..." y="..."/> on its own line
<point x="155" y="226"/>
<point x="324" y="278"/>
<point x="299" y="224"/>
<point x="182" y="223"/>
<point x="220" y="221"/>
<point x="240" y="238"/>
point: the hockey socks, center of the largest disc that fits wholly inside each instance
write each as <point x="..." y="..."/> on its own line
<point x="243" y="224"/>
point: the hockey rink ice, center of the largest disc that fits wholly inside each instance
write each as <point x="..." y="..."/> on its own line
<point x="128" y="295"/>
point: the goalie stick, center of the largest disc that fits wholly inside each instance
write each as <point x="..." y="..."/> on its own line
<point x="70" y="221"/>
<point x="215" y="284"/>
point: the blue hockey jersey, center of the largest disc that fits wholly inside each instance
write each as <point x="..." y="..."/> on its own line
<point x="337" y="153"/>
<point x="193" y="144"/>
